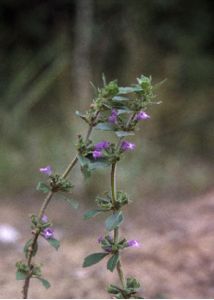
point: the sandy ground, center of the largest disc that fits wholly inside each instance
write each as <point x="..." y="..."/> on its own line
<point x="175" y="259"/>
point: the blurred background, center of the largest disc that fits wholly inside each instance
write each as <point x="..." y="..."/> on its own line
<point x="50" y="53"/>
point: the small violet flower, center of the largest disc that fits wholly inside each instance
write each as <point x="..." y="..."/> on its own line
<point x="108" y="249"/>
<point x="44" y="219"/>
<point x="126" y="146"/>
<point x="46" y="170"/>
<point x="142" y="115"/>
<point x="133" y="243"/>
<point x="101" y="145"/>
<point x="100" y="239"/>
<point x="113" y="117"/>
<point x="48" y="233"/>
<point x="96" y="154"/>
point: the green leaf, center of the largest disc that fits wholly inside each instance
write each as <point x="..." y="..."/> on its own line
<point x="92" y="213"/>
<point x="83" y="160"/>
<point x="98" y="164"/>
<point x="112" y="262"/>
<point x="104" y="126"/>
<point x="132" y="283"/>
<point x="124" y="110"/>
<point x="84" y="163"/>
<point x="93" y="259"/>
<point x="44" y="282"/>
<point x="54" y="243"/>
<point x="113" y="289"/>
<point x="129" y="90"/>
<point x="114" y="220"/>
<point x="120" y="98"/>
<point x="125" y="90"/>
<point x="41" y="186"/>
<point x="81" y="115"/>
<point x="21" y="275"/>
<point x="86" y="171"/>
<point x="137" y="89"/>
<point x="73" y="203"/>
<point x="123" y="133"/>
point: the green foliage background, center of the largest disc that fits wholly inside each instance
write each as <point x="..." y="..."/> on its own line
<point x="40" y="59"/>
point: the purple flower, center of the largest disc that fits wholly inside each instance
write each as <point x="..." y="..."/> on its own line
<point x="133" y="243"/>
<point x="44" y="219"/>
<point x="100" y="239"/>
<point x="96" y="154"/>
<point x="108" y="249"/>
<point x="48" y="233"/>
<point x="142" y="115"/>
<point x="113" y="117"/>
<point x="46" y="170"/>
<point x="127" y="146"/>
<point x="101" y="145"/>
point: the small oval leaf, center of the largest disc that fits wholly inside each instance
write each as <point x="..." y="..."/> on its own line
<point x="41" y="186"/>
<point x="112" y="262"/>
<point x="54" y="243"/>
<point x="123" y="133"/>
<point x="91" y="213"/>
<point x="114" y="220"/>
<point x="104" y="126"/>
<point x="93" y="259"/>
<point x="44" y="282"/>
<point x="21" y="275"/>
<point x="120" y="98"/>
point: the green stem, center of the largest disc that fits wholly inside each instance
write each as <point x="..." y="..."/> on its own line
<point x="41" y="213"/>
<point x="116" y="230"/>
<point x="70" y="167"/>
<point x="121" y="274"/>
<point x="113" y="185"/>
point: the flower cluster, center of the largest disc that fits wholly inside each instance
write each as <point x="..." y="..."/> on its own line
<point x="98" y="150"/>
<point x="99" y="147"/>
<point x="108" y="244"/>
<point x="113" y="117"/>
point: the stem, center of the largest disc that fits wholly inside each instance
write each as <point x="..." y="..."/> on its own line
<point x="41" y="213"/>
<point x="116" y="230"/>
<point x="113" y="185"/>
<point x="121" y="274"/>
<point x="70" y="167"/>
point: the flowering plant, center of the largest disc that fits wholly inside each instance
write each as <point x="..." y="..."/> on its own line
<point x="116" y="109"/>
<point x="121" y="115"/>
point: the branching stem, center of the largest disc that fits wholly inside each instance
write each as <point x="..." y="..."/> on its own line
<point x="41" y="213"/>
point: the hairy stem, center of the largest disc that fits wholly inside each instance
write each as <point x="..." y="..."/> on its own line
<point x="113" y="184"/>
<point x="70" y="167"/>
<point x="121" y="274"/>
<point x="116" y="230"/>
<point x="41" y="213"/>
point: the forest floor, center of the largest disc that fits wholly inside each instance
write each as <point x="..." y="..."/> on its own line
<point x="175" y="259"/>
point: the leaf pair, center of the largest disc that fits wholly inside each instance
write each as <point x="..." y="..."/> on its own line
<point x="94" y="258"/>
<point x="111" y="222"/>
<point x="22" y="276"/>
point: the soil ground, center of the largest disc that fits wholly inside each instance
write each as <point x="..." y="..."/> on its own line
<point x="175" y="259"/>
